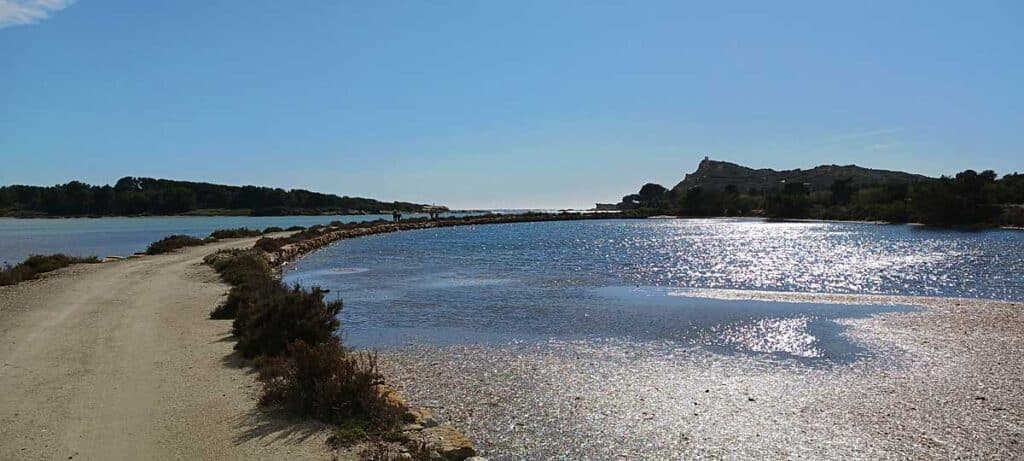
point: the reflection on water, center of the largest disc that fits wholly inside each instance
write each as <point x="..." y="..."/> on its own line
<point x="622" y="278"/>
<point x="773" y="335"/>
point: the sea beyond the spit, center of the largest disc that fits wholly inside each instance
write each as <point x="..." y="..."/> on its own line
<point x="631" y="279"/>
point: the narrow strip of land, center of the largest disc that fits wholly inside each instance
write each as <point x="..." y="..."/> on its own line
<point x="120" y="361"/>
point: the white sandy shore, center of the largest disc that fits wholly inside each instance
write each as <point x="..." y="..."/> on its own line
<point x="942" y="382"/>
<point x="120" y="361"/>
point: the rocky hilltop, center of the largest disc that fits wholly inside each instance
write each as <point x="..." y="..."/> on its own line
<point x="717" y="174"/>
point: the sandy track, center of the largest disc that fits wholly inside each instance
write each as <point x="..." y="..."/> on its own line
<point x="120" y="361"/>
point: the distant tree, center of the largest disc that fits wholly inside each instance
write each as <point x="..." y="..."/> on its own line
<point x="842" y="191"/>
<point x="177" y="200"/>
<point x="137" y="195"/>
<point x="128" y="183"/>
<point x="693" y="202"/>
<point x="967" y="198"/>
<point x="791" y="202"/>
<point x="6" y="198"/>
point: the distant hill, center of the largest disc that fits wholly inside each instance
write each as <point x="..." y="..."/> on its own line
<point x="718" y="174"/>
<point x="142" y="196"/>
<point x="850" y="192"/>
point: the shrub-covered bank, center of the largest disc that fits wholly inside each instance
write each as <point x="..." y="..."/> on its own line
<point x="291" y="335"/>
<point x="34" y="265"/>
<point x="174" y="242"/>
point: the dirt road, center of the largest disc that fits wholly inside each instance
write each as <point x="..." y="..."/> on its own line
<point x="120" y="361"/>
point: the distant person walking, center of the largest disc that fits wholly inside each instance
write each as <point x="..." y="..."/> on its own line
<point x="396" y="215"/>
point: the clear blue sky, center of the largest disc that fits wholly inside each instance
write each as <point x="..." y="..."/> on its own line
<point x="502" y="104"/>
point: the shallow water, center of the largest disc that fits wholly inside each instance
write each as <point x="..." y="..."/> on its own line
<point x="628" y="279"/>
<point x="20" y="238"/>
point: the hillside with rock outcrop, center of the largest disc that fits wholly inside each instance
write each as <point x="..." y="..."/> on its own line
<point x="718" y="174"/>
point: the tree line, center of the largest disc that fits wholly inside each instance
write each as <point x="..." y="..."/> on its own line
<point x="967" y="199"/>
<point x="148" y="196"/>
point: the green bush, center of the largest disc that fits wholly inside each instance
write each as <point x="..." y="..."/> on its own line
<point x="295" y="228"/>
<point x="272" y="229"/>
<point x="171" y="243"/>
<point x="269" y="315"/>
<point x="247" y="272"/>
<point x="279" y="316"/>
<point x="34" y="265"/>
<point x="239" y="266"/>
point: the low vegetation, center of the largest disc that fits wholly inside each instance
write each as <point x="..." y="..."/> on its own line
<point x="173" y="242"/>
<point x="279" y="316"/>
<point x="34" y="265"/>
<point x="234" y="233"/>
<point x="325" y="381"/>
<point x="291" y="335"/>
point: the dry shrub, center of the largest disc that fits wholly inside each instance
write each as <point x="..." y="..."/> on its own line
<point x="34" y="265"/>
<point x="275" y="316"/>
<point x="272" y="245"/>
<point x="234" y="233"/>
<point x="325" y="381"/>
<point x="291" y="334"/>
<point x="171" y="243"/>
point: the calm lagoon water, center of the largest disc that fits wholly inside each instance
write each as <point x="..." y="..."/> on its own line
<point x="20" y="238"/>
<point x="629" y="279"/>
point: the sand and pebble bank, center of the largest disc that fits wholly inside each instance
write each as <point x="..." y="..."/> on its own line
<point x="942" y="382"/>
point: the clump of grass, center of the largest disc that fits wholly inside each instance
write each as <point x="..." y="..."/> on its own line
<point x="171" y="243"/>
<point x="234" y="233"/>
<point x="272" y="229"/>
<point x="348" y="433"/>
<point x="34" y="265"/>
<point x="295" y="228"/>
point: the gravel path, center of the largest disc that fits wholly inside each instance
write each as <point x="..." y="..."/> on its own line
<point x="120" y="361"/>
<point x="942" y="382"/>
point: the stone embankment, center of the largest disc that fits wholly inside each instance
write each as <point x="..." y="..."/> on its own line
<point x="295" y="250"/>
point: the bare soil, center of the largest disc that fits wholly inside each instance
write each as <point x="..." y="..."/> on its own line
<point x="120" y="361"/>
